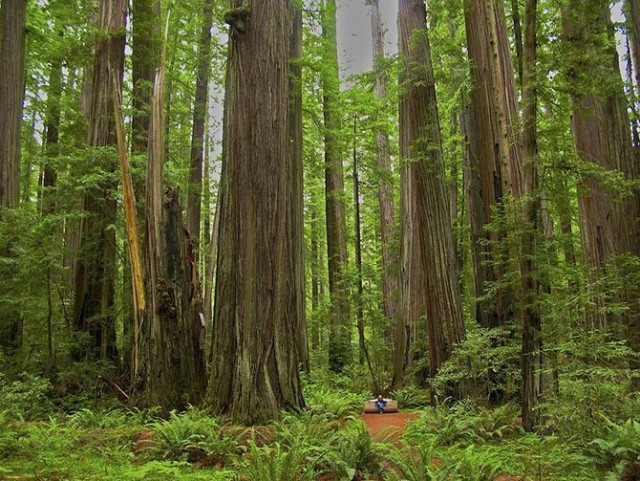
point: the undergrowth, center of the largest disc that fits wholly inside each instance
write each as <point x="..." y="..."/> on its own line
<point x="328" y="441"/>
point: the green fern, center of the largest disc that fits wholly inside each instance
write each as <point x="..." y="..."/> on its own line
<point x="358" y="449"/>
<point x="470" y="465"/>
<point x="273" y="463"/>
<point x="191" y="436"/>
<point x="89" y="419"/>
<point x="415" y="463"/>
<point x="339" y="404"/>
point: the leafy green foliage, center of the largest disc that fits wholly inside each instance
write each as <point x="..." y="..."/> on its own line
<point x="472" y="465"/>
<point x="100" y="419"/>
<point x="411" y="397"/>
<point x="619" y="448"/>
<point x="191" y="436"/>
<point x="338" y="403"/>
<point x="415" y="464"/>
<point x="484" y="351"/>
<point x="358" y="449"/>
<point x="26" y="396"/>
<point x="463" y="423"/>
<point x="275" y="464"/>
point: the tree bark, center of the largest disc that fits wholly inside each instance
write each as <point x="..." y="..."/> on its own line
<point x="340" y="327"/>
<point x="421" y="148"/>
<point x="13" y="15"/>
<point x="254" y="373"/>
<point x="297" y="201"/>
<point x="385" y="183"/>
<point x="610" y="223"/>
<point x="633" y="9"/>
<point x="94" y="316"/>
<point x="358" y="250"/>
<point x="529" y="271"/>
<point x="517" y="33"/>
<point x="52" y="127"/>
<point x="194" y="191"/>
<point x="173" y="369"/>
<point x="496" y="144"/>
<point x="145" y="58"/>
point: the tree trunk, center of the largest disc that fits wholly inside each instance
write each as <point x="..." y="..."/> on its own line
<point x="609" y="224"/>
<point x="475" y="214"/>
<point x="315" y="276"/>
<point x="358" y="250"/>
<point x="13" y="15"/>
<point x="94" y="316"/>
<point x="297" y="201"/>
<point x="340" y="326"/>
<point x="633" y="10"/>
<point x="52" y="127"/>
<point x="145" y="58"/>
<point x="529" y="272"/>
<point x="254" y="373"/>
<point x="385" y="183"/>
<point x="421" y="148"/>
<point x="211" y="266"/>
<point x="194" y="192"/>
<point x="173" y="368"/>
<point x="497" y="146"/>
<point x="517" y="33"/>
<point x="12" y="53"/>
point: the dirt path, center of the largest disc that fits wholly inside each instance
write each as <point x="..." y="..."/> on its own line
<point x="387" y="427"/>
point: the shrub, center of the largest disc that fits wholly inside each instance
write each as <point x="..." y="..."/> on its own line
<point x="26" y="396"/>
<point x="464" y="423"/>
<point x="191" y="436"/>
<point x="274" y="463"/>
<point x="358" y="450"/>
<point x="339" y="404"/>
<point x="411" y="397"/>
<point x="415" y="464"/>
<point x="619" y="449"/>
<point x="471" y="465"/>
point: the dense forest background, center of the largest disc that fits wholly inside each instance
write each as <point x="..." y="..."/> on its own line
<point x="205" y="222"/>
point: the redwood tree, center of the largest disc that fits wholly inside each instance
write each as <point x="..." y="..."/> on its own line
<point x="531" y="323"/>
<point x="12" y="50"/>
<point x="609" y="218"/>
<point x="194" y="194"/>
<point x="94" y="316"/>
<point x="431" y="232"/>
<point x="496" y="149"/>
<point x="173" y="369"/>
<point x="254" y="371"/>
<point x="385" y="184"/>
<point x="340" y="327"/>
<point x="297" y="201"/>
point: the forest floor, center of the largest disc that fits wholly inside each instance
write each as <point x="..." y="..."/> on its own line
<point x="387" y="427"/>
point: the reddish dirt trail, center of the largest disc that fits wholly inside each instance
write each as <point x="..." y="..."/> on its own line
<point x="388" y="426"/>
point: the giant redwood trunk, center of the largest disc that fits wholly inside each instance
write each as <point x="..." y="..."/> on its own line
<point x="145" y="58"/>
<point x="340" y="327"/>
<point x="297" y="201"/>
<point x="633" y="15"/>
<point x="12" y="45"/>
<point x="385" y="182"/>
<point x="496" y="145"/>
<point x="531" y="390"/>
<point x="173" y="369"/>
<point x="254" y="370"/>
<point x="609" y="221"/>
<point x="194" y="191"/>
<point x="94" y="316"/>
<point x="13" y="15"/>
<point x="421" y="147"/>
